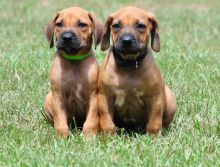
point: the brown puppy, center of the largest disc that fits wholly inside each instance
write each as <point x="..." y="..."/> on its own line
<point x="74" y="71"/>
<point x="132" y="92"/>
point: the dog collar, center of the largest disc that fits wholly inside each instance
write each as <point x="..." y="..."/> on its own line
<point x="75" y="57"/>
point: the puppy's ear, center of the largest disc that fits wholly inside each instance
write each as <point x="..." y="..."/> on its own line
<point x="155" y="38"/>
<point x="49" y="32"/>
<point x="98" y="28"/>
<point x="105" y="43"/>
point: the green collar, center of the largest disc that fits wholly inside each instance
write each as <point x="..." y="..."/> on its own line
<point x="75" y="57"/>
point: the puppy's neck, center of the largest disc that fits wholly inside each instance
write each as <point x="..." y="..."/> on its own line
<point x="74" y="57"/>
<point x="128" y="64"/>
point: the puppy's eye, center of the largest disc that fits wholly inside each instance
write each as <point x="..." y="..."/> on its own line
<point x="59" y="24"/>
<point x="141" y="26"/>
<point x="82" y="25"/>
<point x="116" y="26"/>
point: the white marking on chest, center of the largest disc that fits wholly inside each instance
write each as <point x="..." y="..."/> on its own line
<point x="138" y="95"/>
<point x="120" y="98"/>
<point x="78" y="90"/>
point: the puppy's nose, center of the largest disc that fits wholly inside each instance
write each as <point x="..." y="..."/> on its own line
<point x="67" y="36"/>
<point x="127" y="40"/>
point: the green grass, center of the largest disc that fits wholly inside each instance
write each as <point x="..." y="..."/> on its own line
<point x="189" y="60"/>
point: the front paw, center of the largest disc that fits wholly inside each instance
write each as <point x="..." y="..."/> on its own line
<point x="153" y="129"/>
<point x="62" y="132"/>
<point x="108" y="128"/>
<point x="90" y="129"/>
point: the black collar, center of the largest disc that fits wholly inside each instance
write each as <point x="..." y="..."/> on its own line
<point x="128" y="63"/>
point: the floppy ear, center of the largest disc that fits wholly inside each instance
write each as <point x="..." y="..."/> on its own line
<point x="105" y="43"/>
<point x="155" y="38"/>
<point x="97" y="29"/>
<point x="49" y="32"/>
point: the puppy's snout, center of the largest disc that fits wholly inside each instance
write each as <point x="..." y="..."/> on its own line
<point x="127" y="40"/>
<point x="68" y="36"/>
<point x="69" y="42"/>
<point x="127" y="43"/>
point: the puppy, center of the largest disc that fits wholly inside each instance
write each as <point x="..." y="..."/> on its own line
<point x="131" y="90"/>
<point x="74" y="71"/>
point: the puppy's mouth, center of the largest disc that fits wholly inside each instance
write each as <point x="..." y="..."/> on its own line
<point x="69" y="43"/>
<point x="69" y="50"/>
<point x="131" y="53"/>
<point x="127" y="59"/>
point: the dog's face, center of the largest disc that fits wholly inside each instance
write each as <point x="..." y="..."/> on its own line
<point x="130" y="29"/>
<point x="74" y="30"/>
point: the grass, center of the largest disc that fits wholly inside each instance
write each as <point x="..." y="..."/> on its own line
<point x="189" y="61"/>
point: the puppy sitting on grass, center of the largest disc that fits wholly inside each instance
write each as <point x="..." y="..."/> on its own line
<point x="74" y="71"/>
<point x="132" y="92"/>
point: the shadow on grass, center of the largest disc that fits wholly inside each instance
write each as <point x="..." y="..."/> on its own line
<point x="138" y="131"/>
<point x="131" y="131"/>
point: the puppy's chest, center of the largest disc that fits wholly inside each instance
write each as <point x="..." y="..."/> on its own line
<point x="75" y="90"/>
<point x="128" y="92"/>
<point x="129" y="105"/>
<point x="129" y="98"/>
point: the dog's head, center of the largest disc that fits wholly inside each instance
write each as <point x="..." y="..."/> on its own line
<point x="74" y="30"/>
<point x="130" y="29"/>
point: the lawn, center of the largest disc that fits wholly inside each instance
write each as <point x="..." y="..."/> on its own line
<point x="190" y="63"/>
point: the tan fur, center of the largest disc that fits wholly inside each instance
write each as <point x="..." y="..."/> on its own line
<point x="137" y="95"/>
<point x="73" y="93"/>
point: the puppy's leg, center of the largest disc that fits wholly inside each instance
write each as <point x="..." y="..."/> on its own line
<point x="106" y="116"/>
<point x="47" y="108"/>
<point x="154" y="124"/>
<point x="91" y="125"/>
<point x="170" y="110"/>
<point x="59" y="116"/>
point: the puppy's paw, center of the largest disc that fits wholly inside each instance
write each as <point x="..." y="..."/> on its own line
<point x="90" y="129"/>
<point x="153" y="129"/>
<point x="166" y="123"/>
<point x="109" y="129"/>
<point x="62" y="132"/>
